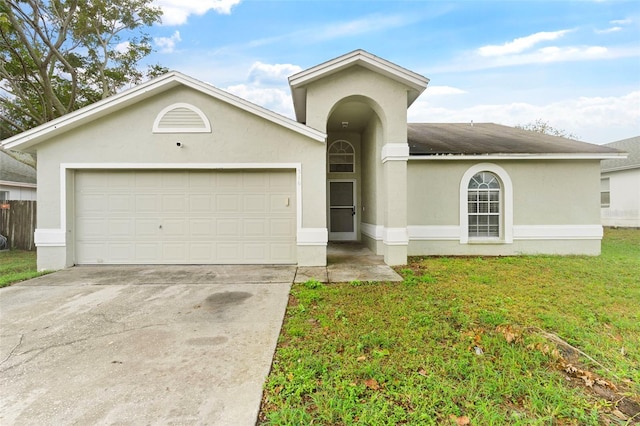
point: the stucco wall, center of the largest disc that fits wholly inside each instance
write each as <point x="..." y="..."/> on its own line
<point x="555" y="207"/>
<point x="624" y="207"/>
<point x="126" y="136"/>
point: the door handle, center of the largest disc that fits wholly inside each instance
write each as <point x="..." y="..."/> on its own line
<point x="353" y="211"/>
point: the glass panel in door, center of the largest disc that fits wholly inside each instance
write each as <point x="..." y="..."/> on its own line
<point x="342" y="211"/>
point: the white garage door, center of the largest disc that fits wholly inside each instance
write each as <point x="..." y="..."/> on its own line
<point x="181" y="217"/>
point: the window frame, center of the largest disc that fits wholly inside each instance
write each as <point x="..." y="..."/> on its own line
<point x="352" y="154"/>
<point x="506" y="205"/>
<point x="486" y="199"/>
<point x="603" y="191"/>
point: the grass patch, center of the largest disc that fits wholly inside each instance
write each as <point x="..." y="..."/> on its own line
<point x="17" y="265"/>
<point x="465" y="339"/>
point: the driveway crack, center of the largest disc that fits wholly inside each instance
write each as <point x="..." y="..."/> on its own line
<point x="70" y="343"/>
<point x="13" y="350"/>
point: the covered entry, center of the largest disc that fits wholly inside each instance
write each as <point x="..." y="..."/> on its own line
<point x="185" y="216"/>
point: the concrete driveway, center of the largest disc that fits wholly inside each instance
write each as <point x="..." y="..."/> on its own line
<point x="140" y="345"/>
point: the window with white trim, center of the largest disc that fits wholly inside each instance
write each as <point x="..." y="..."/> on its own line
<point x="483" y="206"/>
<point x="4" y="195"/>
<point x="341" y="157"/>
<point x="605" y="192"/>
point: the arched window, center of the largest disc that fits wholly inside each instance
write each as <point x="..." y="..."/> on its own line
<point x="486" y="205"/>
<point x="341" y="157"/>
<point x="483" y="206"/>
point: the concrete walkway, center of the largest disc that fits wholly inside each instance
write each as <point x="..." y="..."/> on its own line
<point x="140" y="345"/>
<point x="347" y="262"/>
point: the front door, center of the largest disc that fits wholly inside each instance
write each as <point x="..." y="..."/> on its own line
<point x="342" y="210"/>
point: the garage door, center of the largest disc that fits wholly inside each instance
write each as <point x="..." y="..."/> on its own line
<point x="182" y="217"/>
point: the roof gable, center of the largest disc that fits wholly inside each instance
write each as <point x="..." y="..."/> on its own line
<point x="415" y="82"/>
<point x="631" y="146"/>
<point x="27" y="140"/>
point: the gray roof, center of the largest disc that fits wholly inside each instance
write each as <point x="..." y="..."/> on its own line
<point x="14" y="170"/>
<point x="632" y="146"/>
<point x="489" y="138"/>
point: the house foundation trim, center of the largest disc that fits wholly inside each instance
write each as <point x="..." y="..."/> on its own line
<point x="50" y="237"/>
<point x="312" y="237"/>
<point x="557" y="232"/>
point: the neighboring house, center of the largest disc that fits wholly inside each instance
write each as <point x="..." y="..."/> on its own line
<point x="17" y="176"/>
<point x="177" y="171"/>
<point x="620" y="186"/>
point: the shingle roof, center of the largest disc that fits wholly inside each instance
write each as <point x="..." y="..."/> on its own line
<point x="12" y="170"/>
<point x="632" y="146"/>
<point x="488" y="138"/>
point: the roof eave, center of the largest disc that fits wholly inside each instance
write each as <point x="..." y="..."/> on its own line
<point x="520" y="156"/>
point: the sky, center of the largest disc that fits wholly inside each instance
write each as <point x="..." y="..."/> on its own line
<point x="574" y="64"/>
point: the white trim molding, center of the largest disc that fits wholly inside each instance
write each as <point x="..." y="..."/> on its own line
<point x="374" y="232"/>
<point x="506" y="225"/>
<point x="494" y="157"/>
<point x="395" y="237"/>
<point x="395" y="152"/>
<point x="18" y="184"/>
<point x="50" y="237"/>
<point x="64" y="167"/>
<point x="312" y="237"/>
<point x="433" y="232"/>
<point x="557" y="232"/>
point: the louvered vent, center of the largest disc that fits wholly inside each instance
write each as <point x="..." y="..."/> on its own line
<point x="181" y="118"/>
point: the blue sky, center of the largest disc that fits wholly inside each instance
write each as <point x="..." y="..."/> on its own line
<point x="575" y="64"/>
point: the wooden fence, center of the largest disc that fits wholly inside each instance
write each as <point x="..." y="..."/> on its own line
<point x="18" y="223"/>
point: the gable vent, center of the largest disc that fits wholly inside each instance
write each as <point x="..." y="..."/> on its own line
<point x="181" y="118"/>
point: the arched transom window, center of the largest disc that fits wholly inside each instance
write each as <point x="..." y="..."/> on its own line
<point x="341" y="157"/>
<point x="483" y="198"/>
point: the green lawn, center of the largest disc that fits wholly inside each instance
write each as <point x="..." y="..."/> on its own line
<point x="467" y="341"/>
<point x="17" y="265"/>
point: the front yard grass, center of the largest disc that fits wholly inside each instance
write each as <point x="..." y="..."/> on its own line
<point x="17" y="265"/>
<point x="481" y="341"/>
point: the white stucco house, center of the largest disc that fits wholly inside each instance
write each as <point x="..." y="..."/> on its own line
<point x="177" y="171"/>
<point x="620" y="186"/>
<point x="17" y="178"/>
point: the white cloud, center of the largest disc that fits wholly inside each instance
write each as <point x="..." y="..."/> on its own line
<point x="167" y="44"/>
<point x="271" y="74"/>
<point x="268" y="87"/>
<point x="592" y="119"/>
<point x="177" y="12"/>
<point x="521" y="44"/>
<point x="275" y="99"/>
<point x="621" y="21"/>
<point x="443" y="91"/>
<point x="122" y="47"/>
<point x="609" y="30"/>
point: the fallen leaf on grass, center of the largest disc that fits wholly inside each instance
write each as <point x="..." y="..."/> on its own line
<point x="361" y="358"/>
<point x="372" y="384"/>
<point x="422" y="372"/>
<point x="619" y="414"/>
<point x="460" y="421"/>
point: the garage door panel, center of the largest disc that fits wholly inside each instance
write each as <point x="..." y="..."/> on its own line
<point x="174" y="216"/>
<point x="147" y="228"/>
<point x="255" y="203"/>
<point x="121" y="228"/>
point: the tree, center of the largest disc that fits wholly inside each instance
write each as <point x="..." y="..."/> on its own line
<point x="57" y="56"/>
<point x="541" y="126"/>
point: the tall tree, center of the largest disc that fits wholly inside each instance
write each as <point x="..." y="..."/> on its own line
<point x="57" y="56"/>
<point x="541" y="126"/>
